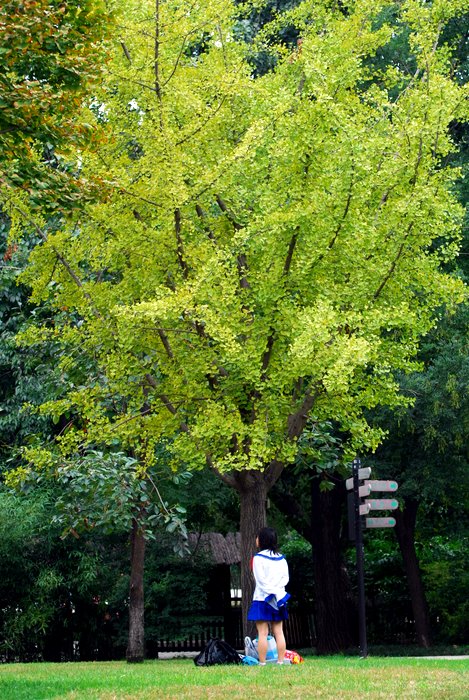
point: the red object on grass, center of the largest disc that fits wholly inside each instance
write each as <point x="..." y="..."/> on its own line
<point x="294" y="657"/>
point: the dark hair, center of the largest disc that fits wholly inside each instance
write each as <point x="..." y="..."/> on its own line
<point x="268" y="539"/>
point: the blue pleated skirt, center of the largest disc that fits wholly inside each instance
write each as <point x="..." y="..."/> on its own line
<point x="262" y="611"/>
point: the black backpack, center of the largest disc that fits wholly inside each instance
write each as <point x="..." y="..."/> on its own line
<point x="217" y="651"/>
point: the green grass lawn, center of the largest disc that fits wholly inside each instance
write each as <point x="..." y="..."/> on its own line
<point x="334" y="678"/>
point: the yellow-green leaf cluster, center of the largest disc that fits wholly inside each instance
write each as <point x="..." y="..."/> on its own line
<point x="273" y="246"/>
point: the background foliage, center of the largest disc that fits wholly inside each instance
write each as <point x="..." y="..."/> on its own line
<point x="165" y="295"/>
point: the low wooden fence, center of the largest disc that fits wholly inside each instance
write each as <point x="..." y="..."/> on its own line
<point x="193" y="642"/>
<point x="299" y="633"/>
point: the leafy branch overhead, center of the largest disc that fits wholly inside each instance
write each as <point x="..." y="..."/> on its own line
<point x="108" y="492"/>
<point x="272" y="247"/>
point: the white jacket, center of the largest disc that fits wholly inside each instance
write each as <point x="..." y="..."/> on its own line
<point x="271" y="575"/>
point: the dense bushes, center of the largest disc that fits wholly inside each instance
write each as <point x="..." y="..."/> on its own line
<point x="67" y="599"/>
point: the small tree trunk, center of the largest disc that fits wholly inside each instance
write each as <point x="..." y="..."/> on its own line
<point x="136" y="643"/>
<point x="405" y="532"/>
<point x="252" y="492"/>
<point x="332" y="605"/>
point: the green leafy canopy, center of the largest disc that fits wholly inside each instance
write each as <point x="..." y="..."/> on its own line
<point x="273" y="247"/>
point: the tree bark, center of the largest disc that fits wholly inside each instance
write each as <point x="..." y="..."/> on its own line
<point x="298" y="514"/>
<point x="252" y="490"/>
<point x="405" y="533"/>
<point x="319" y="521"/>
<point x="332" y="604"/>
<point x="136" y="643"/>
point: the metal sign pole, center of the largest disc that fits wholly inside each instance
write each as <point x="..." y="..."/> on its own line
<point x="360" y="553"/>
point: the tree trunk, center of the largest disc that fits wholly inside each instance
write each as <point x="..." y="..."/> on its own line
<point x="136" y="643"/>
<point x="405" y="532"/>
<point x="253" y="487"/>
<point x="252" y="492"/>
<point x="332" y="604"/>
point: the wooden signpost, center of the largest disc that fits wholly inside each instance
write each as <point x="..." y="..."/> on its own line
<point x="360" y="486"/>
<point x="380" y="522"/>
<point x="381" y="485"/>
<point x="382" y="503"/>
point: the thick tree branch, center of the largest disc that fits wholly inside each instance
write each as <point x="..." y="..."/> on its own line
<point x="62" y="260"/>
<point x="126" y="51"/>
<point x="175" y="67"/>
<point x="229" y="215"/>
<point x="268" y="353"/>
<point x="165" y="341"/>
<point x="392" y="267"/>
<point x="297" y="420"/>
<point x="241" y="259"/>
<point x="228" y="478"/>
<point x="204" y="123"/>
<point x="296" y="424"/>
<point x="338" y="229"/>
<point x="143" y="411"/>
<point x="196" y="325"/>
<point x="9" y="129"/>
<point x="157" y="51"/>
<point x="137" y="196"/>
<point x="180" y="247"/>
<point x="419" y="160"/>
<point x="166" y="402"/>
<point x="203" y="217"/>
<point x="271" y="339"/>
<point x="147" y="86"/>
<point x="291" y="250"/>
<point x="382" y="202"/>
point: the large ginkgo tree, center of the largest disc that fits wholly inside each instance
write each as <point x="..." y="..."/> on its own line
<point x="271" y="248"/>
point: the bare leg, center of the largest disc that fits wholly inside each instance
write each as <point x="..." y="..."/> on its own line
<point x="277" y="629"/>
<point x="262" y="632"/>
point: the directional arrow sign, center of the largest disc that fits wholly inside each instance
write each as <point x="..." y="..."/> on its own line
<point x="380" y="522"/>
<point x="364" y="490"/>
<point x="382" y="503"/>
<point x="382" y="485"/>
<point x="364" y="473"/>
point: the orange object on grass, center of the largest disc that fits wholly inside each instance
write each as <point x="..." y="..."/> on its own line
<point x="294" y="657"/>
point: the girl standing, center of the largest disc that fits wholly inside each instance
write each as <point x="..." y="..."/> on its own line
<point x="269" y="605"/>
